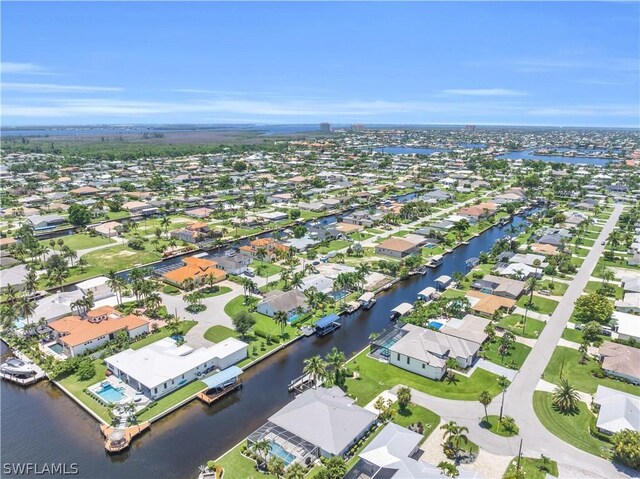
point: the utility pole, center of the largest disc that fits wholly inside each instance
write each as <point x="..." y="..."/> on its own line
<point x="562" y="367"/>
<point x="519" y="455"/>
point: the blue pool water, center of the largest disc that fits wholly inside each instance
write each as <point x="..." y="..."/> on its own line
<point x="435" y="324"/>
<point x="56" y="348"/>
<point x="110" y="394"/>
<point x="278" y="450"/>
<point x="293" y="318"/>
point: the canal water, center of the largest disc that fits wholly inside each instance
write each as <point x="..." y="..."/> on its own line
<point x="574" y="160"/>
<point x="40" y="424"/>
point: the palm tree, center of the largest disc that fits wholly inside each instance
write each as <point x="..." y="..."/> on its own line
<point x="454" y="436"/>
<point x="296" y="471"/>
<point x="565" y="397"/>
<point x="509" y="424"/>
<point x="281" y="319"/>
<point x="262" y="448"/>
<point x="336" y="360"/>
<point x="26" y="308"/>
<point x="316" y="368"/>
<point x="276" y="466"/>
<point x="165" y="222"/>
<point x="30" y="281"/>
<point x="485" y="399"/>
<point x="116" y="284"/>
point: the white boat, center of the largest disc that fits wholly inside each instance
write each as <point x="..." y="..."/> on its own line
<point x="17" y="367"/>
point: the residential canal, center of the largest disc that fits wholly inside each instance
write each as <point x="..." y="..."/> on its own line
<point x="40" y="424"/>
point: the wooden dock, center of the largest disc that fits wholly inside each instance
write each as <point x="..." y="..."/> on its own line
<point x="117" y="440"/>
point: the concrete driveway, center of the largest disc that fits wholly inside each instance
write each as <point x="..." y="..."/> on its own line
<point x="212" y="316"/>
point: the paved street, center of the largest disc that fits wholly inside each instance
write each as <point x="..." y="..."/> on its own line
<point x="537" y="440"/>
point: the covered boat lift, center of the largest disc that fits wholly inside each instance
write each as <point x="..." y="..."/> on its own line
<point x="327" y="324"/>
<point x="427" y="293"/>
<point x="220" y="384"/>
<point x="401" y="310"/>
<point x="367" y="299"/>
<point x="443" y="281"/>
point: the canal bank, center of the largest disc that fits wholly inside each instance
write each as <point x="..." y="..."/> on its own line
<point x="177" y="444"/>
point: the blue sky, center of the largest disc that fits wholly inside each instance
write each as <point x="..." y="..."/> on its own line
<point x="415" y="63"/>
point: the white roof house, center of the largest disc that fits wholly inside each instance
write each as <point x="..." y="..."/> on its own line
<point x="628" y="325"/>
<point x="391" y="452"/>
<point x="320" y="282"/>
<point x="163" y="361"/>
<point x="56" y="306"/>
<point x="618" y="410"/>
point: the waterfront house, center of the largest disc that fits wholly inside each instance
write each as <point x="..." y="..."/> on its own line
<point x="487" y="304"/>
<point x="237" y="264"/>
<point x="195" y="269"/>
<point x="269" y="245"/>
<point x="291" y="302"/>
<point x="545" y="249"/>
<point x="620" y="361"/>
<point x="194" y="233"/>
<point x="199" y="212"/>
<point x="322" y="422"/>
<point x="163" y="366"/>
<point x="396" y="248"/>
<point x="56" y="306"/>
<point x="78" y="334"/>
<point x="108" y="229"/>
<point x="505" y="287"/>
<point x="14" y="276"/>
<point x="43" y="222"/>
<point x="425" y="352"/>
<point x="617" y="410"/>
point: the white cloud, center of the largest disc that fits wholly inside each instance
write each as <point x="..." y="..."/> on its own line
<point x="587" y="110"/>
<point x="485" y="92"/>
<point x="545" y="65"/>
<point x="56" y="88"/>
<point x="25" y="68"/>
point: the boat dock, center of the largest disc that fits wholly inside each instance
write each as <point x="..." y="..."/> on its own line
<point x="327" y="324"/>
<point x="302" y="383"/>
<point x="220" y="384"/>
<point x="118" y="439"/>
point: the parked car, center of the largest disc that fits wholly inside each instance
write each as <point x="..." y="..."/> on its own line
<point x="545" y="292"/>
<point x="603" y="243"/>
<point x="249" y="273"/>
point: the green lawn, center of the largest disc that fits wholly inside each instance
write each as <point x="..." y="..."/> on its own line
<point x="333" y="245"/>
<point x="513" y="322"/>
<point x="573" y="429"/>
<point x="207" y="293"/>
<point x="556" y="288"/>
<point x="118" y="258"/>
<point x="217" y="333"/>
<point x="531" y="467"/>
<point x="401" y="233"/>
<point x="236" y="465"/>
<point x="264" y="269"/>
<point x="579" y="375"/>
<point x="611" y="290"/>
<point x="574" y="335"/>
<point x="493" y="424"/>
<point x="117" y="215"/>
<point x="376" y="377"/>
<point x="172" y="399"/>
<point x="80" y="241"/>
<point x="414" y="414"/>
<point x="360" y="236"/>
<point x="541" y="305"/>
<point x="165" y="332"/>
<point x="76" y="387"/>
<point x="514" y="359"/>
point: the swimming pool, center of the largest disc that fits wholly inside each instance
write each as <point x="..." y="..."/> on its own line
<point x="110" y="394"/>
<point x="278" y="450"/>
<point x="56" y="348"/>
<point x="435" y="324"/>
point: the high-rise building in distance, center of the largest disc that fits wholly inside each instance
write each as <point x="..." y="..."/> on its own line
<point x="325" y="127"/>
